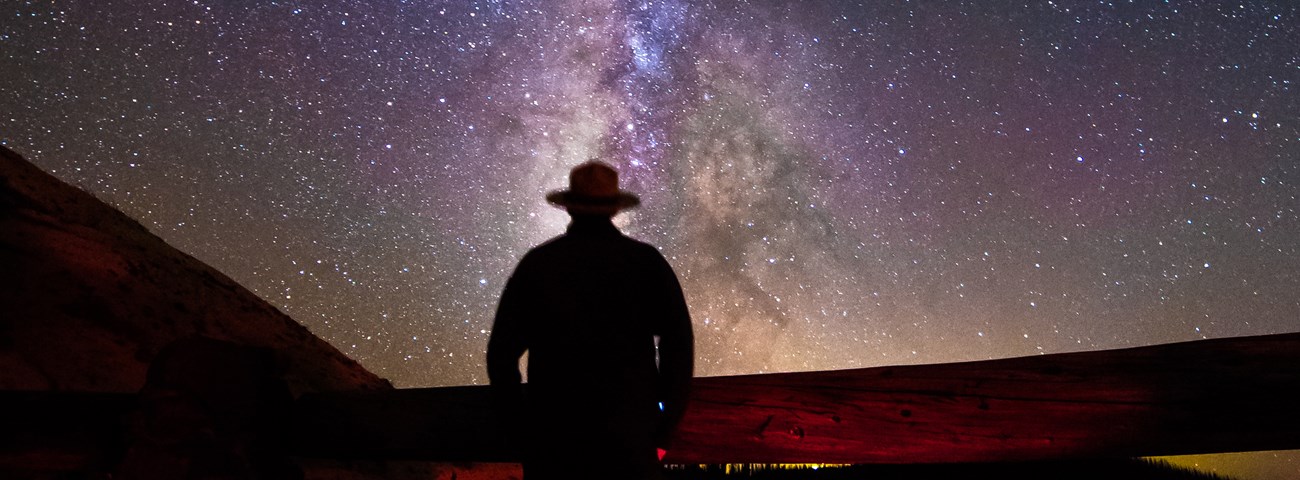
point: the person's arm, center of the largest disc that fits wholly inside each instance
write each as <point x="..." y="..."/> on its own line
<point x="676" y="353"/>
<point x="508" y="342"/>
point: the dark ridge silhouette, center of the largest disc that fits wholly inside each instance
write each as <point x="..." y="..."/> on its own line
<point x="90" y="297"/>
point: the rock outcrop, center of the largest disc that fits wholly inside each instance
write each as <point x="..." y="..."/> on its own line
<point x="89" y="297"/>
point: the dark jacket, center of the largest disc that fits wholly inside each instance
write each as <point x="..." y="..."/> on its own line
<point x="587" y="307"/>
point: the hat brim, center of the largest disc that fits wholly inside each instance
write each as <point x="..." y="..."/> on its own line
<point x="576" y="203"/>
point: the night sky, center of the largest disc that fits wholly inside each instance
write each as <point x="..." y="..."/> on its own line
<point x="837" y="185"/>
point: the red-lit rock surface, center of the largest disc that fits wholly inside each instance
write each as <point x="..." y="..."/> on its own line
<point x="88" y="297"/>
<point x="1208" y="396"/>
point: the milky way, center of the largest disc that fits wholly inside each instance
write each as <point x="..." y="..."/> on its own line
<point x="837" y="185"/>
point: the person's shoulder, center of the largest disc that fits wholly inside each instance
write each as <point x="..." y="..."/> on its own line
<point x="541" y="249"/>
<point x="548" y="244"/>
<point x="644" y="249"/>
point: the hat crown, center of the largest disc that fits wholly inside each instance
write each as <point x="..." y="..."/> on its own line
<point x="593" y="179"/>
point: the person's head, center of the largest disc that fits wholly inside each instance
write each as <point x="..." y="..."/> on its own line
<point x="593" y="191"/>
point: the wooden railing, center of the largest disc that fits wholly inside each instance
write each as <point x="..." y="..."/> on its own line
<point x="1209" y="396"/>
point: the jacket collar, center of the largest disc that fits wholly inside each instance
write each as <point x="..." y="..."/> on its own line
<point x="592" y="225"/>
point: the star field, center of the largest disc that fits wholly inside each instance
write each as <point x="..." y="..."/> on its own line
<point x="837" y="185"/>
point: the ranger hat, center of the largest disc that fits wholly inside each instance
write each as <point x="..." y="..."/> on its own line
<point x="593" y="189"/>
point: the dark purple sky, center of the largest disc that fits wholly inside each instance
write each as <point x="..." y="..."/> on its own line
<point x="838" y="185"/>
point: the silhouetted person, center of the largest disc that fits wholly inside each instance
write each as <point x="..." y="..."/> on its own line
<point x="588" y="306"/>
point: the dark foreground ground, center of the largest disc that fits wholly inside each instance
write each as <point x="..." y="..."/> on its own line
<point x="1104" y="469"/>
<point x="1111" y="469"/>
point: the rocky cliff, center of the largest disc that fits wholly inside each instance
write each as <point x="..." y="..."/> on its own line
<point x="89" y="297"/>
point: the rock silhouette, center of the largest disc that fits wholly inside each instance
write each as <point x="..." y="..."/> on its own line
<point x="90" y="298"/>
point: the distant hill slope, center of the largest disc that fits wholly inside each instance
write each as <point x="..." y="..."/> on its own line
<point x="88" y="297"/>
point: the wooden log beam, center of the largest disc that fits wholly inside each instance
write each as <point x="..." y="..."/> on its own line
<point x="443" y="424"/>
<point x="1200" y="397"/>
<point x="1208" y="396"/>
